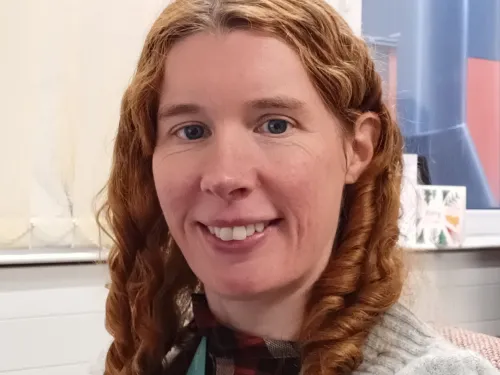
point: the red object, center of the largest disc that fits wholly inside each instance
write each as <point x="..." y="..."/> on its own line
<point x="483" y="116"/>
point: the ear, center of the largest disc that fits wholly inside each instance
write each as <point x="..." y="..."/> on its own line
<point x="361" y="148"/>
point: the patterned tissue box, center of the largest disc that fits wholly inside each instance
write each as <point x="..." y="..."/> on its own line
<point x="440" y="216"/>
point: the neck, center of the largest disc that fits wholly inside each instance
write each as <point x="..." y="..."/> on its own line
<point x="267" y="317"/>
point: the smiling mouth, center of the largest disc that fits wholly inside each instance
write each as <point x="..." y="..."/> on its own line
<point x="240" y="233"/>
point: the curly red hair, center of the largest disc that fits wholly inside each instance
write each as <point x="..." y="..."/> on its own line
<point x="151" y="283"/>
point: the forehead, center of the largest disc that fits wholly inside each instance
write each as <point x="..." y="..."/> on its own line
<point x="234" y="65"/>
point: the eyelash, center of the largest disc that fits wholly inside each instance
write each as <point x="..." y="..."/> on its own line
<point x="290" y="124"/>
<point x="179" y="129"/>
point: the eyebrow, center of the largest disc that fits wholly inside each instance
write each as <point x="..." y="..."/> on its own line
<point x="178" y="110"/>
<point x="276" y="102"/>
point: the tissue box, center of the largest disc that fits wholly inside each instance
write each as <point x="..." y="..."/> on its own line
<point x="440" y="216"/>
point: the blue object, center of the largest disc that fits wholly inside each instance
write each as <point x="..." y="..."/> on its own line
<point x="199" y="362"/>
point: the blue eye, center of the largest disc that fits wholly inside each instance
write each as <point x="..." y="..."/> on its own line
<point x="276" y="126"/>
<point x="192" y="132"/>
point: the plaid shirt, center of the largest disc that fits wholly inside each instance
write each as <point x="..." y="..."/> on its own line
<point x="234" y="353"/>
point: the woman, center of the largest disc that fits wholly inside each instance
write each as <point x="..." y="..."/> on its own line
<point x="256" y="179"/>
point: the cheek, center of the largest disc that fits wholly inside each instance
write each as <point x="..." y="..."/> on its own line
<point x="316" y="199"/>
<point x="329" y="188"/>
<point x="171" y="183"/>
<point x="311" y="174"/>
<point x="312" y="185"/>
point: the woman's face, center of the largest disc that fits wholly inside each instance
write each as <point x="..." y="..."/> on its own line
<point x="249" y="165"/>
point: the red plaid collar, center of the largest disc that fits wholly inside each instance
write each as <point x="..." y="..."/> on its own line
<point x="224" y="342"/>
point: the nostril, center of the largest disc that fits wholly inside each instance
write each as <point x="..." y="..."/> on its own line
<point x="239" y="193"/>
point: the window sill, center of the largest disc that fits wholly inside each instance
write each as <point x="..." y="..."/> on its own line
<point x="18" y="257"/>
<point x="472" y="243"/>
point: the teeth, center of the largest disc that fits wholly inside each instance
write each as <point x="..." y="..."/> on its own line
<point x="250" y="230"/>
<point x="226" y="234"/>
<point x="237" y="233"/>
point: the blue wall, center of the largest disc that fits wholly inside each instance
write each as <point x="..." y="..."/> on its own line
<point x="434" y="40"/>
<point x="484" y="29"/>
<point x="386" y="17"/>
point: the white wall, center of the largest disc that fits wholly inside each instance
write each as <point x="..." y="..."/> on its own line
<point x="351" y="10"/>
<point x="52" y="319"/>
<point x="465" y="288"/>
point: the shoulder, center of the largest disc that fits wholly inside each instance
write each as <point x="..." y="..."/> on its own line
<point x="402" y="344"/>
<point x="453" y="361"/>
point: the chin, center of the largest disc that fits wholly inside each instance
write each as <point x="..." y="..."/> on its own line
<point x="242" y="288"/>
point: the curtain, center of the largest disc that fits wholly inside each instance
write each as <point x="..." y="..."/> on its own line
<point x="64" y="67"/>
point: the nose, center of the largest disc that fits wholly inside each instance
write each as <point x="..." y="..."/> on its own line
<point x="229" y="171"/>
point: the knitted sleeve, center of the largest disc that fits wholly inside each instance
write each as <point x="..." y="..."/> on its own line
<point x="456" y="362"/>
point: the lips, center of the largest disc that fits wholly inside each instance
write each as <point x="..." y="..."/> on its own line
<point x="237" y="233"/>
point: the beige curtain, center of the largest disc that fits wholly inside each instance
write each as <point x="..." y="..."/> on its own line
<point x="64" y="66"/>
